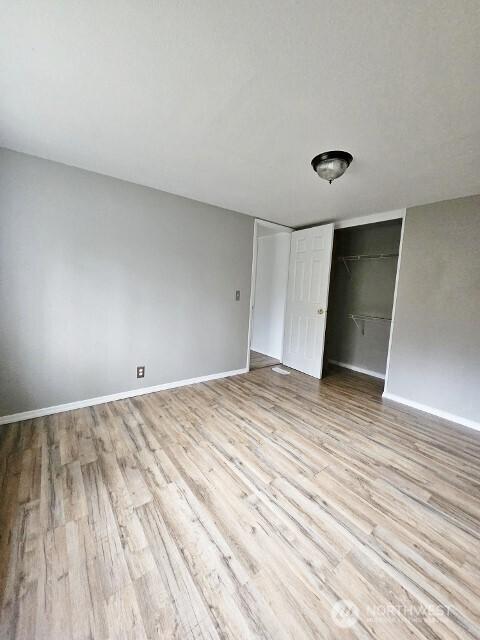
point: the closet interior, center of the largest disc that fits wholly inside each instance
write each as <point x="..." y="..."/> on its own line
<point x="364" y="269"/>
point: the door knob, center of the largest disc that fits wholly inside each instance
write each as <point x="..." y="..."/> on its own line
<point x="320" y="312"/>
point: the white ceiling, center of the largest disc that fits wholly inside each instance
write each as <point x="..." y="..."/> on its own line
<point x="227" y="102"/>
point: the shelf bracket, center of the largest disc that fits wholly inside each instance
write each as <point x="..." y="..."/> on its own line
<point x="360" y="326"/>
<point x="346" y="266"/>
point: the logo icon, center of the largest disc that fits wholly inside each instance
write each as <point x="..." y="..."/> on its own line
<point x="345" y="614"/>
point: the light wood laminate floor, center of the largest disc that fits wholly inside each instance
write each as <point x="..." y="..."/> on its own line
<point x="246" y="507"/>
<point x="260" y="360"/>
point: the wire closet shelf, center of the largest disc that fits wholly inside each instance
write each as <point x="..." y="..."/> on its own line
<point x="365" y="256"/>
<point x="360" y="319"/>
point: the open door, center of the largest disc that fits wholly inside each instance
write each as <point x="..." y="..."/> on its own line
<point x="306" y="311"/>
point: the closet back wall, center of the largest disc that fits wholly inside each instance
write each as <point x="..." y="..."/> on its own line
<point x="364" y="287"/>
<point x="100" y="275"/>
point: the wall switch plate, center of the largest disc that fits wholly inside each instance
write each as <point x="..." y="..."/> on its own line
<point x="141" y="372"/>
<point x="237" y="295"/>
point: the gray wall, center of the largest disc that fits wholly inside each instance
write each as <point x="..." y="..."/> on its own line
<point x="368" y="289"/>
<point x="435" y="352"/>
<point x="100" y="275"/>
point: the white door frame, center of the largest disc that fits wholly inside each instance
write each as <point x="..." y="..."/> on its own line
<point x="399" y="262"/>
<point x="273" y="226"/>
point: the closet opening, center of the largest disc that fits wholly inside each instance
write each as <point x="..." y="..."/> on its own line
<point x="361" y="297"/>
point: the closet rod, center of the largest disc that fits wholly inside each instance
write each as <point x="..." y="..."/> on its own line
<point x="368" y="256"/>
<point x="360" y="316"/>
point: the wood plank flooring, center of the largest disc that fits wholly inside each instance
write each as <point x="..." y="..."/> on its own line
<point x="260" y="506"/>
<point x="260" y="360"/>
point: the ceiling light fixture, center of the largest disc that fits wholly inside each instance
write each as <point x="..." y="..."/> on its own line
<point x="330" y="165"/>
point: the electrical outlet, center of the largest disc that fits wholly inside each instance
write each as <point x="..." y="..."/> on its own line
<point x="237" y="295"/>
<point x="141" y="372"/>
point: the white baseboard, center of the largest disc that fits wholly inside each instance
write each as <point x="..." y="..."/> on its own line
<point x="466" y="422"/>
<point x="90" y="402"/>
<point x="368" y="372"/>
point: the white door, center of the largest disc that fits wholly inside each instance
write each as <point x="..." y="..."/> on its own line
<point x="306" y="311"/>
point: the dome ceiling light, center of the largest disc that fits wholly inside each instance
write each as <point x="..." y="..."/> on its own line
<point x="330" y="165"/>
